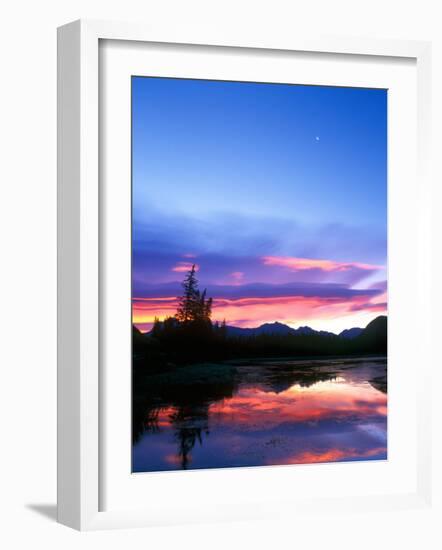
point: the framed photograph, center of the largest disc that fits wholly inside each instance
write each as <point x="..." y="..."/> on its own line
<point x="242" y="255"/>
<point x="259" y="314"/>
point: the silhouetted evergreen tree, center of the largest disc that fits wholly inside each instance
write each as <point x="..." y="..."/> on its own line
<point x="223" y="330"/>
<point x="156" y="329"/>
<point x="193" y="305"/>
<point x="208" y="308"/>
<point x="190" y="300"/>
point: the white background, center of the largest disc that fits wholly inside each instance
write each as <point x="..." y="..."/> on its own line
<point x="28" y="277"/>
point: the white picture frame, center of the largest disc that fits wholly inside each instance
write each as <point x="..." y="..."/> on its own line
<point x="80" y="437"/>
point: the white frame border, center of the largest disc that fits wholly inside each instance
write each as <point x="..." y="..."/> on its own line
<point x="78" y="259"/>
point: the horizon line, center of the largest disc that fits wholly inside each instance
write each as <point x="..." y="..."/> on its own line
<point x="279" y="323"/>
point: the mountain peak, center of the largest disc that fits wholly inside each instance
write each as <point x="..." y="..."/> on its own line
<point x="351" y="332"/>
<point x="378" y="325"/>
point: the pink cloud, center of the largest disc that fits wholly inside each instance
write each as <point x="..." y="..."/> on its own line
<point x="184" y="267"/>
<point x="304" y="264"/>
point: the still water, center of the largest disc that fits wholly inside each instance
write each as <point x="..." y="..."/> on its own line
<point x="275" y="412"/>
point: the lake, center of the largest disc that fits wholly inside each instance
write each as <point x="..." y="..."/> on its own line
<point x="271" y="412"/>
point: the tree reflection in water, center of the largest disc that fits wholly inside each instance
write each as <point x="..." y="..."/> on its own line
<point x="189" y="423"/>
<point x="189" y="400"/>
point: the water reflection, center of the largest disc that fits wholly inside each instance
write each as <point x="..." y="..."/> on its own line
<point x="268" y="413"/>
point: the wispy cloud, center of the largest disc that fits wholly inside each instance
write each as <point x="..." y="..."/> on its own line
<point x="264" y="290"/>
<point x="184" y="267"/>
<point x="306" y="264"/>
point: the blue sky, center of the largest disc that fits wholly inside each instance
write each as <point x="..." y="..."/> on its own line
<point x="226" y="174"/>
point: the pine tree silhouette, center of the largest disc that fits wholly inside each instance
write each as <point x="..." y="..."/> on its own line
<point x="223" y="330"/>
<point x="156" y="329"/>
<point x="193" y="305"/>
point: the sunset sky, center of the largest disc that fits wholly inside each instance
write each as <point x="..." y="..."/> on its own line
<point x="277" y="193"/>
